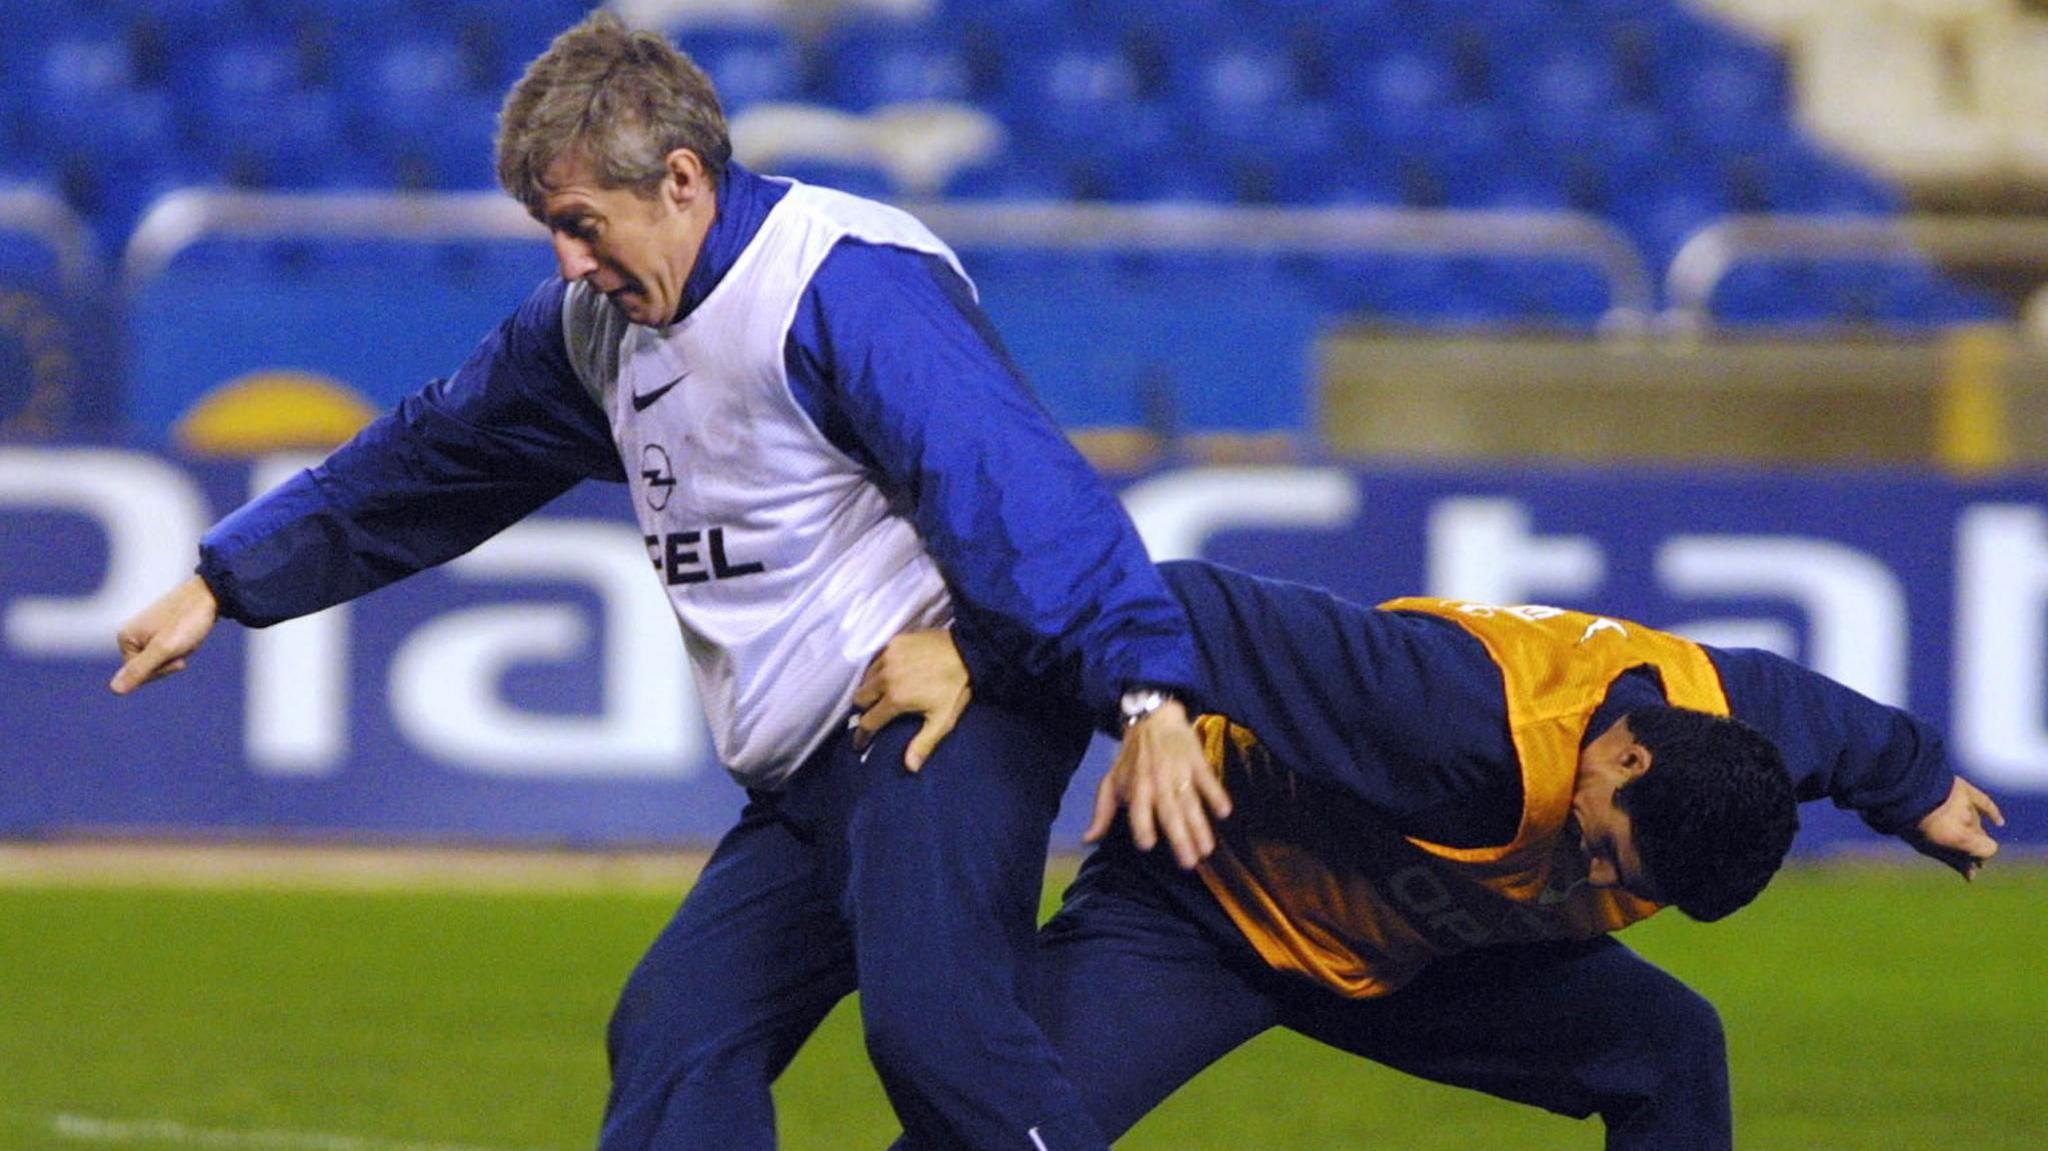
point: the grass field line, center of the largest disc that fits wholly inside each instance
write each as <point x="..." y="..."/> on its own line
<point x="160" y="1132"/>
<point x="286" y="865"/>
<point x="340" y="866"/>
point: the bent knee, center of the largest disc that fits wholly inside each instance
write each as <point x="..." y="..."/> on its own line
<point x="1689" y="1029"/>
<point x="1678" y="1061"/>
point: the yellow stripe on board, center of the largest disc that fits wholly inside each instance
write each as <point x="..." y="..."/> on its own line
<point x="1970" y="422"/>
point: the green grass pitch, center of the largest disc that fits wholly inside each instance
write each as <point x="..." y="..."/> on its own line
<point x="1868" y="1007"/>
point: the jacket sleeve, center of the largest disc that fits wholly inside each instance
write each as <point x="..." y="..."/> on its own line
<point x="1051" y="584"/>
<point x="1404" y="713"/>
<point x="453" y="465"/>
<point x="1878" y="761"/>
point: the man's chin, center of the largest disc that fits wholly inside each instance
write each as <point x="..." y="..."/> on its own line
<point x="629" y="301"/>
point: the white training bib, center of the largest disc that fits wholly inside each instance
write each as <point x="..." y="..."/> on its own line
<point x="787" y="568"/>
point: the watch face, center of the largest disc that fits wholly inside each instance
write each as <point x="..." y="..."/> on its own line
<point x="1136" y="705"/>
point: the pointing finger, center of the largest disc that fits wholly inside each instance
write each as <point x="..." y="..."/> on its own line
<point x="141" y="668"/>
<point x="1989" y="807"/>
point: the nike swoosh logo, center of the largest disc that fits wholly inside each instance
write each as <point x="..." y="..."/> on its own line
<point x="644" y="400"/>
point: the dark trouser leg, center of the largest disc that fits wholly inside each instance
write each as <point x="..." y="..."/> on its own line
<point x="1579" y="1028"/>
<point x="945" y="870"/>
<point x="746" y="970"/>
<point x="1136" y="997"/>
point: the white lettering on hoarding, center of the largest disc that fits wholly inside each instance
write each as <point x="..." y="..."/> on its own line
<point x="151" y="514"/>
<point x="1176" y="513"/>
<point x="445" y="680"/>
<point x="1487" y="550"/>
<point x="1855" y="608"/>
<point x="446" y="688"/>
<point x="2000" y="644"/>
<point x="295" y="720"/>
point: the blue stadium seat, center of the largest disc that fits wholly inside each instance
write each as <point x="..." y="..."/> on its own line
<point x="1186" y="179"/>
<point x="87" y="109"/>
<point x="1391" y="286"/>
<point x="1359" y="177"/>
<point x="1036" y="265"/>
<point x="1793" y="177"/>
<point x="750" y="63"/>
<point x="1236" y="89"/>
<point x="74" y="69"/>
<point x="1160" y="31"/>
<point x="1948" y="303"/>
<point x="1544" y="292"/>
<point x="409" y="83"/>
<point x="1136" y="175"/>
<point x="1596" y="165"/>
<point x="451" y="152"/>
<point x="26" y="261"/>
<point x="1304" y="150"/>
<point x="1458" y="164"/>
<point x="1008" y="178"/>
<point x="882" y="62"/>
<point x="1221" y="345"/>
<point x="1907" y="295"/>
<point x="257" y="120"/>
<point x="1073" y="88"/>
<point x="1769" y="292"/>
<point x="1730" y="101"/>
<point x="859" y="179"/>
<point x="1566" y="94"/>
<point x="1398" y="96"/>
<point x="518" y="32"/>
<point x="1026" y="19"/>
<point x="471" y="265"/>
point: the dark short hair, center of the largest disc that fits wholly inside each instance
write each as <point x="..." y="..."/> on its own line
<point x="1714" y="815"/>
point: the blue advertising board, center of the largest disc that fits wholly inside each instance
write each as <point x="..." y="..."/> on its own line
<point x="535" y="691"/>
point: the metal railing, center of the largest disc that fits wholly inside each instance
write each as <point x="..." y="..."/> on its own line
<point x="184" y="218"/>
<point x="1706" y="258"/>
<point x="35" y="212"/>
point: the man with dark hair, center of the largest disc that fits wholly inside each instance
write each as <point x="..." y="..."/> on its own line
<point x="1715" y="819"/>
<point x="1441" y="812"/>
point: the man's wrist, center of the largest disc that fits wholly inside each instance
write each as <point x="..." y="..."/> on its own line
<point x="1141" y="702"/>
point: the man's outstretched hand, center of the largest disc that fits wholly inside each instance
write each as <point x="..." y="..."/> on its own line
<point x="159" y="639"/>
<point x="1954" y="832"/>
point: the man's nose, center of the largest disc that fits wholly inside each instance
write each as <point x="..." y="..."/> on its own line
<point x="573" y="257"/>
<point x="1601" y="873"/>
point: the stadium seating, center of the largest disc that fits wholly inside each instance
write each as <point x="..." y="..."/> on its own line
<point x="1659" y="116"/>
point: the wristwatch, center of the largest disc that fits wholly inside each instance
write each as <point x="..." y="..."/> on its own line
<point x="1139" y="703"/>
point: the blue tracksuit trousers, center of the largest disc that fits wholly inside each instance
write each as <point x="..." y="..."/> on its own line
<point x="1144" y="982"/>
<point x="919" y="890"/>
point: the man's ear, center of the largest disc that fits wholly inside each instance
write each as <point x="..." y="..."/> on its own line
<point x="1635" y="760"/>
<point x="687" y="178"/>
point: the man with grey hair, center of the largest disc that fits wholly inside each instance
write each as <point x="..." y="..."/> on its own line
<point x="826" y="445"/>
